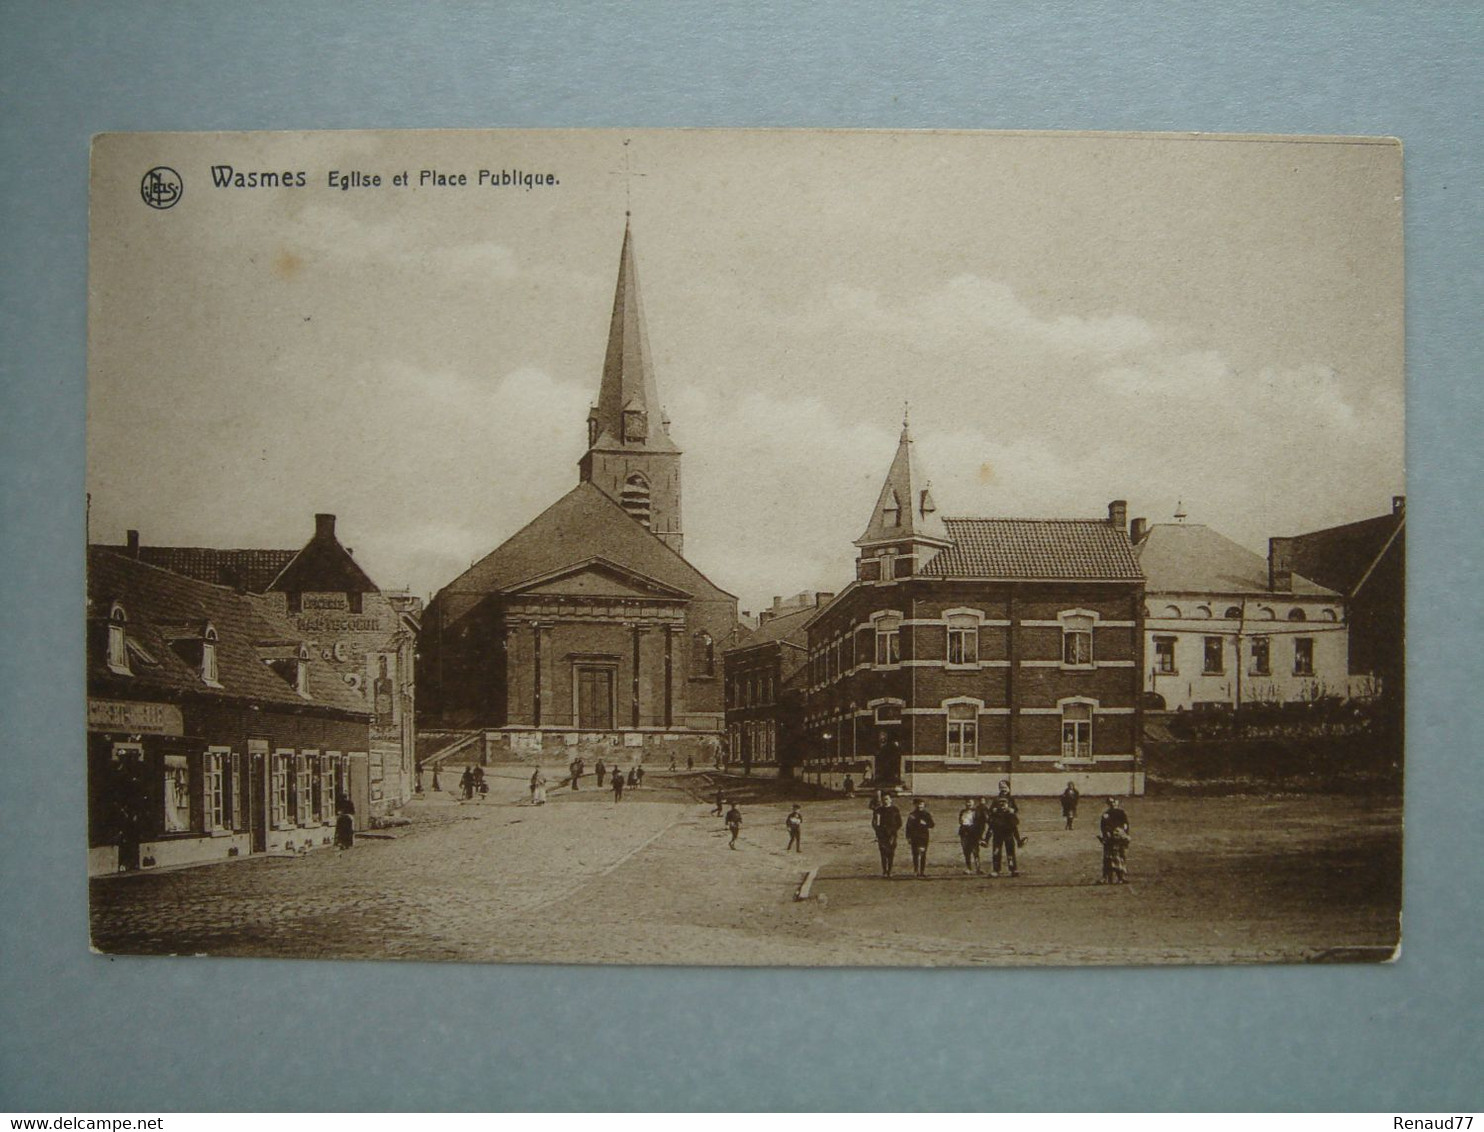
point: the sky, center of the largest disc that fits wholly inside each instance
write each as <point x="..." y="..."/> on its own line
<point x="1073" y="318"/>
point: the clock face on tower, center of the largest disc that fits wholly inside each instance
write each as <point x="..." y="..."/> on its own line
<point x="635" y="424"/>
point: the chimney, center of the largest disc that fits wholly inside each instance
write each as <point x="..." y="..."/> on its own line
<point x="1137" y="530"/>
<point x="1118" y="514"/>
<point x="324" y="526"/>
<point x="765" y="615"/>
<point x="1398" y="504"/>
<point x="777" y="601"/>
<point x="1280" y="565"/>
<point x="133" y="538"/>
<point x="822" y="599"/>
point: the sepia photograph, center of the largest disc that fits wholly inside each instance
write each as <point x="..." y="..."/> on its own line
<point x="746" y="547"/>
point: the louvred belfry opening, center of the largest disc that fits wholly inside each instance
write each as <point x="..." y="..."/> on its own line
<point x="630" y="456"/>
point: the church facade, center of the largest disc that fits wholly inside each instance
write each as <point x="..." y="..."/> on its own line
<point x="588" y="629"/>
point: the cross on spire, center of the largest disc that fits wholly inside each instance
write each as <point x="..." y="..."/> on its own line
<point x="628" y="174"/>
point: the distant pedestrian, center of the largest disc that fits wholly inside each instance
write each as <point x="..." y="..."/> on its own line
<point x="481" y="788"/>
<point x="721" y="804"/>
<point x="634" y="777"/>
<point x="919" y="831"/>
<point x="1004" y="833"/>
<point x="1113" y="833"/>
<point x="601" y="770"/>
<point x="466" y="783"/>
<point x="886" y="823"/>
<point x="673" y="767"/>
<point x="638" y="777"/>
<point x="617" y="785"/>
<point x="795" y="825"/>
<point x="345" y="824"/>
<point x="576" y="768"/>
<point x="690" y="762"/>
<point x="971" y="830"/>
<point x="538" y="788"/>
<point x="849" y="787"/>
<point x="1069" y="798"/>
<point x="734" y="824"/>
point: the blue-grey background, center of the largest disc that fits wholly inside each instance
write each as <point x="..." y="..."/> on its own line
<point x="84" y="1032"/>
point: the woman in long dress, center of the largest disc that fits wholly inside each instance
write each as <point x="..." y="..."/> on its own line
<point x="538" y="788"/>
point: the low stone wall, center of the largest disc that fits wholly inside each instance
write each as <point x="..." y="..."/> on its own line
<point x="627" y="748"/>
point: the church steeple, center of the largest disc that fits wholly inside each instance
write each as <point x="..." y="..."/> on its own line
<point x="630" y="455"/>
<point x="905" y="526"/>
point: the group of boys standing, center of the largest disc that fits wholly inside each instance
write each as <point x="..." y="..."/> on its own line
<point x="990" y="822"/>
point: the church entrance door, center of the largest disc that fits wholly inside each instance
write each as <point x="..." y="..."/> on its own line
<point x="595" y="699"/>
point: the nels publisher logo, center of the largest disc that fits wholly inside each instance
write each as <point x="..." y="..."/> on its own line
<point x="161" y="187"/>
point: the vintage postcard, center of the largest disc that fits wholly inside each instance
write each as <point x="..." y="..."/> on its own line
<point x="746" y="547"/>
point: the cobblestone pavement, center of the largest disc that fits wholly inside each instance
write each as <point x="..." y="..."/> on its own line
<point x="651" y="880"/>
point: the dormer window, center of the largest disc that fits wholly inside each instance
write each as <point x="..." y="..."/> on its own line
<point x="208" y="657"/>
<point x="118" y="641"/>
<point x="891" y="513"/>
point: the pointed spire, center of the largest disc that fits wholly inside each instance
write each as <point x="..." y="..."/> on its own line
<point x="629" y="414"/>
<point x="905" y="508"/>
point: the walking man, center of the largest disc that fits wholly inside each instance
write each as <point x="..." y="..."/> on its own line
<point x="600" y="770"/>
<point x="576" y="768"/>
<point x="734" y="823"/>
<point x="886" y="822"/>
<point x="638" y="777"/>
<point x="721" y="804"/>
<point x="795" y="824"/>
<point x="1069" y="798"/>
<point x="919" y="826"/>
<point x="617" y="785"/>
<point x="1113" y="833"/>
<point x="971" y="831"/>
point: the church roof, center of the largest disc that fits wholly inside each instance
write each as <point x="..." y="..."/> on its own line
<point x="905" y="509"/>
<point x="628" y="369"/>
<point x="1041" y="549"/>
<point x="581" y="525"/>
<point x="1192" y="558"/>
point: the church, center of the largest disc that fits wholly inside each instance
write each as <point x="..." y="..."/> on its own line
<point x="587" y="629"/>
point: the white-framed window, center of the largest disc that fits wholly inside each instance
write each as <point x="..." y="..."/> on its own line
<point x="218" y="788"/>
<point x="963" y="731"/>
<point x="1164" y="656"/>
<point x="177" y="794"/>
<point x="1262" y="656"/>
<point x="888" y="640"/>
<point x="208" y="656"/>
<point x="1213" y="656"/>
<point x="118" y="641"/>
<point x="963" y="639"/>
<point x="1076" y="732"/>
<point x="1303" y="656"/>
<point x="278" y="794"/>
<point x="888" y="711"/>
<point x="1076" y="639"/>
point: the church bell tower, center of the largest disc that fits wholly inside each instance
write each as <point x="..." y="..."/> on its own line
<point x="630" y="456"/>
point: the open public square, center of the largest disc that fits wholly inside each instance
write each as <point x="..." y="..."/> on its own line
<point x="651" y="880"/>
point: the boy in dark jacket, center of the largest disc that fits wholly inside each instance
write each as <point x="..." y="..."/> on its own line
<point x="886" y="823"/>
<point x="734" y="823"/>
<point x="919" y="826"/>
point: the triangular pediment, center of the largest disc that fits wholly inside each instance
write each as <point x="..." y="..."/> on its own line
<point x="598" y="577"/>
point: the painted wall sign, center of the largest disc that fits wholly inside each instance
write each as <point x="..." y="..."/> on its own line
<point x="135" y="716"/>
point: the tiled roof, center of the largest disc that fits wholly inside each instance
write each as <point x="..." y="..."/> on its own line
<point x="1050" y="549"/>
<point x="253" y="570"/>
<point x="789" y="625"/>
<point x="158" y="602"/>
<point x="580" y="525"/>
<point x="1191" y="558"/>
